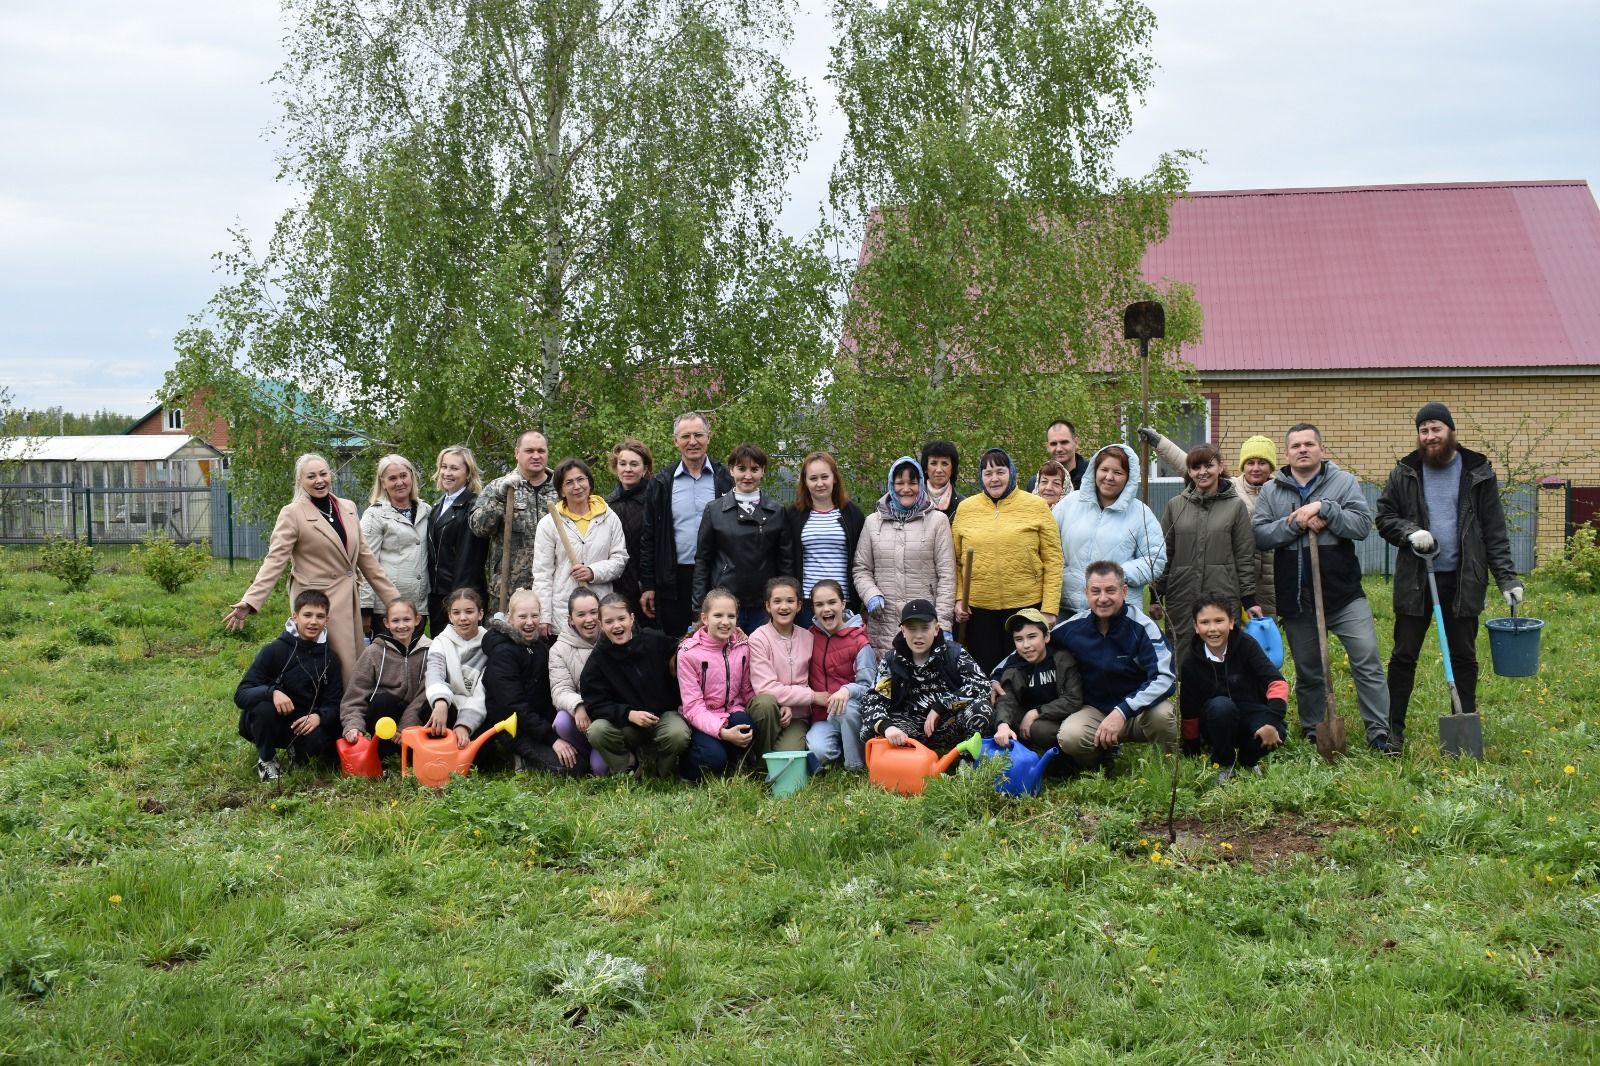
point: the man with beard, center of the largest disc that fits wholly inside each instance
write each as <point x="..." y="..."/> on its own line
<point x="1442" y="499"/>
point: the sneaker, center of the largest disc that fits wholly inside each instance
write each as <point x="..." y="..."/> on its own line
<point x="1258" y="771"/>
<point x="1309" y="736"/>
<point x="268" y="769"/>
<point x="1384" y="746"/>
<point x="1224" y="776"/>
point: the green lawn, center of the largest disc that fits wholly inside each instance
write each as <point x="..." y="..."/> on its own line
<point x="158" y="904"/>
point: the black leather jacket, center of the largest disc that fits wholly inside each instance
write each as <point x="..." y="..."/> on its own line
<point x="742" y="552"/>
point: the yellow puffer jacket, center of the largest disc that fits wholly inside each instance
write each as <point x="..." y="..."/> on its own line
<point x="1016" y="551"/>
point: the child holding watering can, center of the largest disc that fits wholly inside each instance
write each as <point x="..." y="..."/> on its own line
<point x="843" y="667"/>
<point x="927" y="687"/>
<point x="731" y="731"/>
<point x="1231" y="688"/>
<point x="516" y="680"/>
<point x="455" y="697"/>
<point x="630" y="693"/>
<point x="1039" y="685"/>
<point x="780" y="668"/>
<point x="388" y="678"/>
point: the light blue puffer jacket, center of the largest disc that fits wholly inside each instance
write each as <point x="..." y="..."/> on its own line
<point x="1127" y="532"/>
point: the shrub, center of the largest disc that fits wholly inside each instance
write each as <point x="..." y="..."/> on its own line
<point x="70" y="560"/>
<point x="92" y="634"/>
<point x="1577" y="565"/>
<point x="168" y="565"/>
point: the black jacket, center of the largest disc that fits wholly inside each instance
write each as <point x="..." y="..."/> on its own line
<point x="853" y="520"/>
<point x="1052" y="687"/>
<point x="1485" y="544"/>
<point x="304" y="670"/>
<point x="1245" y="675"/>
<point x="456" y="554"/>
<point x="629" y="504"/>
<point x="516" y="680"/>
<point x="741" y="552"/>
<point x="658" y="551"/>
<point x="636" y="676"/>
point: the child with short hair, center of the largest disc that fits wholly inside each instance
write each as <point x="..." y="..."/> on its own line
<point x="630" y="691"/>
<point x="1039" y="685"/>
<point x="744" y="540"/>
<point x="780" y="669"/>
<point x="1231" y="689"/>
<point x="516" y="681"/>
<point x="714" y="680"/>
<point x="568" y="655"/>
<point x="289" y="698"/>
<point x="843" y="667"/>
<point x="927" y="687"/>
<point x="454" y="697"/>
<point x="388" y="679"/>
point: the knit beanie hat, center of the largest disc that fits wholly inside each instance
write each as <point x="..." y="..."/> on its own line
<point x="1433" y="411"/>
<point x="1258" y="447"/>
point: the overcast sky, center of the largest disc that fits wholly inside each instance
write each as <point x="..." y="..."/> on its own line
<point x="133" y="136"/>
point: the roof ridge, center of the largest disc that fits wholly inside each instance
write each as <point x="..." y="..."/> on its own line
<point x="1553" y="183"/>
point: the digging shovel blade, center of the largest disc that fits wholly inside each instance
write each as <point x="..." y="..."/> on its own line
<point x="1330" y="735"/>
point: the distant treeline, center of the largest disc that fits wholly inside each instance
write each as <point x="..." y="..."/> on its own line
<point x="54" y="421"/>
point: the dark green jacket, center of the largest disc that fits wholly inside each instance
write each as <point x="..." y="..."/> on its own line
<point x="1480" y="520"/>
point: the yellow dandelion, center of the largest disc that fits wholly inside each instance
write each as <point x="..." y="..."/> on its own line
<point x="1548" y="879"/>
<point x="1225" y="844"/>
<point x="947" y="856"/>
<point x="477" y="832"/>
<point x="1549" y="817"/>
<point x="116" y="901"/>
<point x="1569" y="769"/>
<point x="1488" y="954"/>
<point x="1416" y="829"/>
<point x="1144" y="843"/>
<point x="1527" y="751"/>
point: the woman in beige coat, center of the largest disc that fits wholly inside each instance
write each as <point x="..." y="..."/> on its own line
<point x="905" y="553"/>
<point x="599" y="545"/>
<point x="395" y="526"/>
<point x="318" y="538"/>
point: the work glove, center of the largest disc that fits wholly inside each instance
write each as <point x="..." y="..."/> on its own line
<point x="875" y="606"/>
<point x="1513" y="596"/>
<point x="1421" y="542"/>
<point x="1150" y="436"/>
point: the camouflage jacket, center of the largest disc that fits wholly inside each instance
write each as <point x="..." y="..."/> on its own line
<point x="488" y="521"/>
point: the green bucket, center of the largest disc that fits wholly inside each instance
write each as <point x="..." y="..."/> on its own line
<point x="786" y="771"/>
<point x="1514" y="645"/>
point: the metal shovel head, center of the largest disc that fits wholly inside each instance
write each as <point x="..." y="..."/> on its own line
<point x="1461" y="734"/>
<point x="1330" y="737"/>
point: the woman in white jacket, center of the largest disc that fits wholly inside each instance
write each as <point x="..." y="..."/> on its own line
<point x="1103" y="518"/>
<point x="396" y="528"/>
<point x="593" y="533"/>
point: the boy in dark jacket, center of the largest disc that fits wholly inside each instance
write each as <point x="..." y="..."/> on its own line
<point x="289" y="698"/>
<point x="630" y="690"/>
<point x="516" y="680"/>
<point x="1039" y="685"/>
<point x="1231" y="689"/>
<point x="927" y="687"/>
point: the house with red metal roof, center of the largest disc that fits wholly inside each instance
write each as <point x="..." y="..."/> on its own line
<point x="1351" y="307"/>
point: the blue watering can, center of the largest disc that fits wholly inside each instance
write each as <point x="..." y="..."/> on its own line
<point x="1024" y="772"/>
<point x="1265" y="633"/>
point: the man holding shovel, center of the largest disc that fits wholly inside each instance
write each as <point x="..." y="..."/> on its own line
<point x="529" y="488"/>
<point x="1443" y="500"/>
<point x="1312" y="497"/>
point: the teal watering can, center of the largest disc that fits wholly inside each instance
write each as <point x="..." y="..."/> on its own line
<point x="1025" y="771"/>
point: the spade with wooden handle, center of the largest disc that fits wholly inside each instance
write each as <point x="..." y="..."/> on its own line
<point x="505" y="548"/>
<point x="1330" y="731"/>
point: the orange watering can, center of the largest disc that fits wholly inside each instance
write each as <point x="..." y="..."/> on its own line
<point x="906" y="770"/>
<point x="361" y="758"/>
<point x="434" y="759"/>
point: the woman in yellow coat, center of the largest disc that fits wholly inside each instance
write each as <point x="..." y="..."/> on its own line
<point x="1016" y="558"/>
<point x="319" y="538"/>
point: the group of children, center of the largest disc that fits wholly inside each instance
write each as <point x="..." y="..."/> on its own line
<point x="609" y="696"/>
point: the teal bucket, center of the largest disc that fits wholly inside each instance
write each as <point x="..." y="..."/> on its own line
<point x="786" y="771"/>
<point x="1514" y="645"/>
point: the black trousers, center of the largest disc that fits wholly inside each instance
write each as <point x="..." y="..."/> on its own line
<point x="987" y="640"/>
<point x="1411" y="632"/>
<point x="1229" y="730"/>
<point x="674" y="611"/>
<point x="268" y="730"/>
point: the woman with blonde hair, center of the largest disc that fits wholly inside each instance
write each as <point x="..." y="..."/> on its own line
<point x="456" y="555"/>
<point x="317" y="537"/>
<point x="395" y="525"/>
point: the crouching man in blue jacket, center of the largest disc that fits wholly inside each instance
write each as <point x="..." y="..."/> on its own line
<point x="1127" y="673"/>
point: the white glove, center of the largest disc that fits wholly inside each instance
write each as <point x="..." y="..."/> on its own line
<point x="1421" y="542"/>
<point x="1513" y="596"/>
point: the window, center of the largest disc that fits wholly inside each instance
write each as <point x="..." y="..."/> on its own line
<point x="174" y="418"/>
<point x="1184" y="424"/>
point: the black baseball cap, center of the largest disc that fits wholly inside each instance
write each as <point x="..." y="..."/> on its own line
<point x="919" y="611"/>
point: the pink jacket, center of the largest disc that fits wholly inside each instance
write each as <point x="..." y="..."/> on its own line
<point x="780" y="668"/>
<point x="713" y="680"/>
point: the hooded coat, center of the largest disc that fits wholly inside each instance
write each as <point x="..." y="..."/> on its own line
<point x="1125" y="532"/>
<point x="1210" y="548"/>
<point x="602" y="547"/>
<point x="1175" y="458"/>
<point x="385" y="666"/>
<point x="714" y="679"/>
<point x="1016" y="548"/>
<point x="516" y="680"/>
<point x="401" y="547"/>
<point x="568" y="655"/>
<point x="904" y="556"/>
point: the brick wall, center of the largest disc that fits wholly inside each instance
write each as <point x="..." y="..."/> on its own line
<point x="1367" y="423"/>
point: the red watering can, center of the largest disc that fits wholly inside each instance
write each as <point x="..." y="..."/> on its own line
<point x="434" y="759"/>
<point x="361" y="758"/>
<point x="906" y="769"/>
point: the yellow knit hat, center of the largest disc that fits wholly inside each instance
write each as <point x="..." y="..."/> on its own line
<point x="1258" y="447"/>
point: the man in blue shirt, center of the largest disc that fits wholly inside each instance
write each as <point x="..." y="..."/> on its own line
<point x="673" y="502"/>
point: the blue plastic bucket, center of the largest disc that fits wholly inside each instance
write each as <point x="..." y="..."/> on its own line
<point x="1514" y="645"/>
<point x="786" y="771"/>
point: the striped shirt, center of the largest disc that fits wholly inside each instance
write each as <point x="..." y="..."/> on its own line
<point x="823" y="542"/>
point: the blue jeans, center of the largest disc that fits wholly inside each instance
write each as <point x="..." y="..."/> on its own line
<point x="838" y="738"/>
<point x="752" y="619"/>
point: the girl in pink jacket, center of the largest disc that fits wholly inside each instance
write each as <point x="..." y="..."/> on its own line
<point x="780" y="668"/>
<point x="714" y="682"/>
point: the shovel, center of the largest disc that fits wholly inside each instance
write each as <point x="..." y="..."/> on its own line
<point x="1330" y="732"/>
<point x="1459" y="733"/>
